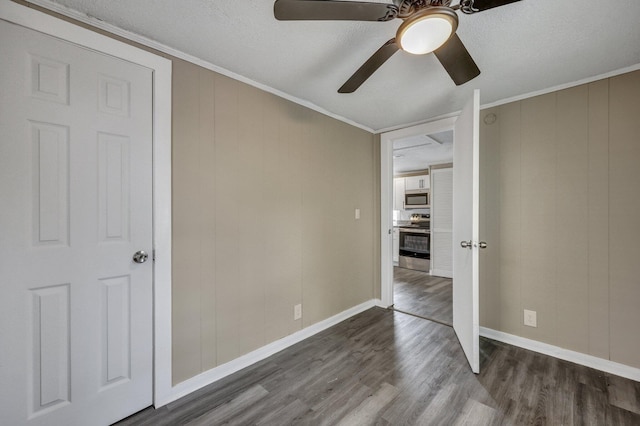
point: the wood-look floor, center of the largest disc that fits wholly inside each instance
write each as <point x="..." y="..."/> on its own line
<point x="418" y="293"/>
<point x="387" y="368"/>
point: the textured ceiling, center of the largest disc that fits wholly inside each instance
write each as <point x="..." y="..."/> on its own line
<point x="420" y="151"/>
<point x="520" y="48"/>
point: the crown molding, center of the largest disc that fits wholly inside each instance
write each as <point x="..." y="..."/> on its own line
<point x="131" y="36"/>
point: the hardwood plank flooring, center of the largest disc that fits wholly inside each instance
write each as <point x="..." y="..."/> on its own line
<point x="383" y="367"/>
<point x="421" y="294"/>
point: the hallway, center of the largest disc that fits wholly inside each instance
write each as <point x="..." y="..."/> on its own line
<point x="420" y="294"/>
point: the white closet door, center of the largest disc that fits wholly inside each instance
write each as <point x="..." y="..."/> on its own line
<point x="442" y="222"/>
<point x="75" y="190"/>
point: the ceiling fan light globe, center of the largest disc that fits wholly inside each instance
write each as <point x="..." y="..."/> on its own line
<point x="427" y="30"/>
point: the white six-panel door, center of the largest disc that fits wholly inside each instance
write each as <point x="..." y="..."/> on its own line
<point x="75" y="197"/>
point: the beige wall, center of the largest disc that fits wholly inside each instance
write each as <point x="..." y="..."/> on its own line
<point x="264" y="193"/>
<point x="560" y="203"/>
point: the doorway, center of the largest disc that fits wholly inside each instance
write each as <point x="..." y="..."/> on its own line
<point x="465" y="213"/>
<point x="404" y="138"/>
<point x="422" y="225"/>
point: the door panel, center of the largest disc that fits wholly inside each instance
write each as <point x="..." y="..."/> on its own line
<point x="466" y="321"/>
<point x="75" y="186"/>
<point x="50" y="156"/>
<point x="116" y="323"/>
<point x="49" y="331"/>
<point x="113" y="187"/>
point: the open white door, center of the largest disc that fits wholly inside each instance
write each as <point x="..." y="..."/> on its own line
<point x="466" y="322"/>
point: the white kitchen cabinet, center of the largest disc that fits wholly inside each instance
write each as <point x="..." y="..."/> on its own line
<point x="398" y="193"/>
<point x="417" y="182"/>
<point x="396" y="245"/>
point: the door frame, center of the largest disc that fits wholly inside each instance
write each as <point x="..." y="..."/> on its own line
<point x="161" y="169"/>
<point x="386" y="197"/>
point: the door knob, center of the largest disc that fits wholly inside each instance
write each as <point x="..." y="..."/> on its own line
<point x="465" y="244"/>
<point x="140" y="256"/>
<point x="482" y="245"/>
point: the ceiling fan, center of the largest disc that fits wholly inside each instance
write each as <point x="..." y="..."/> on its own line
<point x="429" y="26"/>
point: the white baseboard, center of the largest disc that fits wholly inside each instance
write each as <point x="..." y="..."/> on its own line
<point x="217" y="373"/>
<point x="564" y="354"/>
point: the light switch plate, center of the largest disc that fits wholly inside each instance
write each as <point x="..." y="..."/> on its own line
<point x="357" y="214"/>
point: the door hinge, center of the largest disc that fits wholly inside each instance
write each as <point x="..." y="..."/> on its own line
<point x="153" y="255"/>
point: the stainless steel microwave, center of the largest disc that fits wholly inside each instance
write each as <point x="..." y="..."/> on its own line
<point x="417" y="199"/>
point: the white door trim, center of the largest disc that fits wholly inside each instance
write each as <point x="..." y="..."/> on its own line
<point x="38" y="21"/>
<point x="386" y="197"/>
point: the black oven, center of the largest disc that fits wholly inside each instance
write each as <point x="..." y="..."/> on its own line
<point x="415" y="248"/>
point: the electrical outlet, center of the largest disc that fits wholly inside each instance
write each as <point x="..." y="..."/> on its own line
<point x="297" y="312"/>
<point x="530" y="318"/>
<point x="357" y="214"/>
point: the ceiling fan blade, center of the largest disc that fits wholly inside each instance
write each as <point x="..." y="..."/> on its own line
<point x="475" y="6"/>
<point x="457" y="61"/>
<point x="322" y="10"/>
<point x="370" y="66"/>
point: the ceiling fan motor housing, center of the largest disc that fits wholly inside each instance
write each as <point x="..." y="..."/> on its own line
<point x="407" y="8"/>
